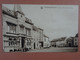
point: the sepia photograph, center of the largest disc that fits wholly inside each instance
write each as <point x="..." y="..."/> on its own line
<point x="40" y="28"/>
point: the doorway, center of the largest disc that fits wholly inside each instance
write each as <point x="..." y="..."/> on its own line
<point x="22" y="42"/>
<point x="34" y="46"/>
<point x="70" y="45"/>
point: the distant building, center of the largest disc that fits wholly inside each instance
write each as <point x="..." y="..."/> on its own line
<point x="72" y="41"/>
<point x="53" y="43"/>
<point x="40" y="37"/>
<point x="59" y="42"/>
<point x="76" y="41"/>
<point x="65" y="42"/>
<point x="35" y="38"/>
<point x="46" y="41"/>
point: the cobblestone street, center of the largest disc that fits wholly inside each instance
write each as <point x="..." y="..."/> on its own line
<point x="56" y="49"/>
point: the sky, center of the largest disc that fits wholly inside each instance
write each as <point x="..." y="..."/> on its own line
<point x="56" y="20"/>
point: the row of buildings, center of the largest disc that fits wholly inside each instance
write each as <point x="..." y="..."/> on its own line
<point x="65" y="42"/>
<point x="20" y="33"/>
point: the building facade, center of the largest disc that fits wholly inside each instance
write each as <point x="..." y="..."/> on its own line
<point x="53" y="43"/>
<point x="72" y="41"/>
<point x="17" y="30"/>
<point x="76" y="40"/>
<point x="46" y="41"/>
<point x="59" y="42"/>
<point x="65" y="42"/>
<point x="35" y="37"/>
<point x="41" y="35"/>
<point x="19" y="33"/>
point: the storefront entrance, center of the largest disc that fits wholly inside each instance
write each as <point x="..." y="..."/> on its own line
<point x="22" y="42"/>
<point x="34" y="46"/>
<point x="41" y="44"/>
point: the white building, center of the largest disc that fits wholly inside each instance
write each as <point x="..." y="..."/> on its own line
<point x="35" y="38"/>
<point x="46" y="41"/>
<point x="17" y="29"/>
<point x="61" y="42"/>
<point x="76" y="40"/>
<point x="19" y="33"/>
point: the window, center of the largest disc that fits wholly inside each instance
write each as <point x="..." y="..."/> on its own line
<point x="21" y="29"/>
<point x="75" y="39"/>
<point x="28" y="42"/>
<point x="11" y="28"/>
<point x="12" y="41"/>
<point x="28" y="32"/>
<point x="75" y="43"/>
<point x="14" y="29"/>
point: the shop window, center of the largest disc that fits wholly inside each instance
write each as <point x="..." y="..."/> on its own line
<point x="12" y="41"/>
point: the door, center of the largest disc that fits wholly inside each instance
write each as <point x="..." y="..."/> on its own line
<point x="70" y="45"/>
<point x="34" y="45"/>
<point x="22" y="42"/>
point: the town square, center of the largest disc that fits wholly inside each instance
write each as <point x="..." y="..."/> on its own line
<point x="40" y="28"/>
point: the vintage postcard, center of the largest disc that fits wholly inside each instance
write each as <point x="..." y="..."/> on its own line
<point x="40" y="28"/>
